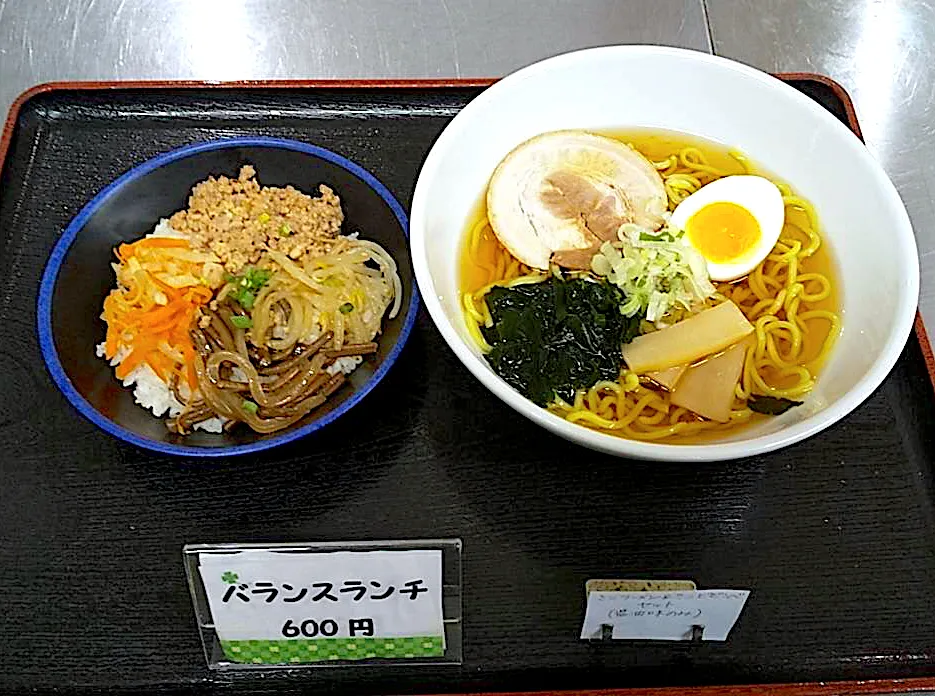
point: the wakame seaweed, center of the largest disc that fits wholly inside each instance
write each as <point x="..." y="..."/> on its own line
<point x="771" y="405"/>
<point x="552" y="338"/>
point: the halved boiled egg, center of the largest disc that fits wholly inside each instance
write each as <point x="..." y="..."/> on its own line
<point x="733" y="223"/>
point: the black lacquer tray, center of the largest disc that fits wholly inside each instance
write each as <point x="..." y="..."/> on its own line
<point x="835" y="536"/>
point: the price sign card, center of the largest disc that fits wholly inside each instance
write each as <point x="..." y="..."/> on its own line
<point x="274" y="608"/>
<point x="708" y="614"/>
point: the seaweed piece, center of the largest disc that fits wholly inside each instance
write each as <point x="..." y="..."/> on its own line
<point x="552" y="338"/>
<point x="771" y="405"/>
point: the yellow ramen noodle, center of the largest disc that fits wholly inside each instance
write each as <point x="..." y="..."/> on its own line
<point x="789" y="298"/>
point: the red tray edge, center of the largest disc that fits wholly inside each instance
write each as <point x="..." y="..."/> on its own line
<point x="835" y="688"/>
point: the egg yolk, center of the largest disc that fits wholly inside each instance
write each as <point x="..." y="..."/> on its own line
<point x="723" y="231"/>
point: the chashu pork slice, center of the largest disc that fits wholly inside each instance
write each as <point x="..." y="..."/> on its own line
<point x="563" y="193"/>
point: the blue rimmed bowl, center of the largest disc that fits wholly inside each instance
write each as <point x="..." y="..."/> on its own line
<point x="78" y="277"/>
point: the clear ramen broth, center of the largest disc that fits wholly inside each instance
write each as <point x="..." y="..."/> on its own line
<point x="780" y="363"/>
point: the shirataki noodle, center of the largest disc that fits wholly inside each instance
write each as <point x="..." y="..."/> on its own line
<point x="276" y="372"/>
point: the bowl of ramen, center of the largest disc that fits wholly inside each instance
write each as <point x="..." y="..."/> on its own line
<point x="228" y="297"/>
<point x="662" y="254"/>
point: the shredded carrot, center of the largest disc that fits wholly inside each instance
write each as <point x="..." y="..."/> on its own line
<point x="125" y="251"/>
<point x="148" y="317"/>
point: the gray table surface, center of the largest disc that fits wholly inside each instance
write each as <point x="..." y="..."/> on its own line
<point x="880" y="50"/>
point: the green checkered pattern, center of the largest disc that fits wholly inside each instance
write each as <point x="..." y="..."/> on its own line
<point x="299" y="650"/>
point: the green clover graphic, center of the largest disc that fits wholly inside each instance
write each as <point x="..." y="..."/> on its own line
<point x="229" y="577"/>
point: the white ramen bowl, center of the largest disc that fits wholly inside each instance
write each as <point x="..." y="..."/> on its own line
<point x="863" y="219"/>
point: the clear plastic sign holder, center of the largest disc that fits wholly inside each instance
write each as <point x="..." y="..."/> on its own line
<point x="451" y="601"/>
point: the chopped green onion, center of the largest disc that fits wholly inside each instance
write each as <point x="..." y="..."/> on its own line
<point x="264" y="218"/>
<point x="241" y="322"/>
<point x="346" y="308"/>
<point x="257" y="277"/>
<point x="284" y="230"/>
<point x="249" y="406"/>
<point x="248" y="285"/>
<point x="657" y="272"/>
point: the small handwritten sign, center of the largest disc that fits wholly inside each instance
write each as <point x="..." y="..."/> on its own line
<point x="709" y="614"/>
<point x="272" y="607"/>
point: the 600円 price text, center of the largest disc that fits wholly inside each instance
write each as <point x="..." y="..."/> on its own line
<point x="326" y="628"/>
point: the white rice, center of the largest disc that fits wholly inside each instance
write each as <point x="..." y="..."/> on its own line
<point x="347" y="364"/>
<point x="164" y="230"/>
<point x="153" y="394"/>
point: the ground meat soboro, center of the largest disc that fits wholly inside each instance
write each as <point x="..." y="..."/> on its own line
<point x="238" y="219"/>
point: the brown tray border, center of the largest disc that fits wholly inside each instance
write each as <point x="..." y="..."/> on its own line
<point x="835" y="688"/>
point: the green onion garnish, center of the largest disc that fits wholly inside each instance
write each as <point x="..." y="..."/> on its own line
<point x="284" y="230"/>
<point x="247" y="285"/>
<point x="346" y="308"/>
<point x="241" y="322"/>
<point x="249" y="406"/>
